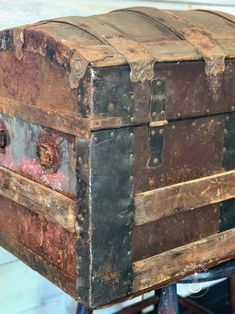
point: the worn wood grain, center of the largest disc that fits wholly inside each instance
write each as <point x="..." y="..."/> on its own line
<point x="172" y="265"/>
<point x="52" y="205"/>
<point x="182" y="261"/>
<point x="158" y="203"/>
<point x="68" y="123"/>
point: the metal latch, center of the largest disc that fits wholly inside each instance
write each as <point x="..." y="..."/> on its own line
<point x="157" y="122"/>
<point x="158" y="103"/>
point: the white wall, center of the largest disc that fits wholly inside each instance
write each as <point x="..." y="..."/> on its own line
<point x="21" y="289"/>
<point x="16" y="12"/>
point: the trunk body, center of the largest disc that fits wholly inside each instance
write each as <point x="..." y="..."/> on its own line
<point x="117" y="150"/>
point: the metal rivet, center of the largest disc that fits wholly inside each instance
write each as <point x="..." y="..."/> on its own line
<point x="131" y="178"/>
<point x="132" y="119"/>
<point x="131" y="134"/>
<point x="154" y="114"/>
<point x="156" y="161"/>
<point x="161" y="131"/>
<point x="159" y="83"/>
<point x="131" y="156"/>
<point x="110" y="107"/>
<point x="78" y="65"/>
<point x="153" y="132"/>
<point x="112" y="134"/>
<point x="227" y="118"/>
<point x="224" y="149"/>
<point x="232" y="107"/>
<point x="173" y="126"/>
<point x="207" y="110"/>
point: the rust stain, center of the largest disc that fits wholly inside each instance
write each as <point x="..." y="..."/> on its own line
<point x="49" y="155"/>
<point x="18" y="41"/>
<point x="212" y="53"/>
<point x="107" y="274"/>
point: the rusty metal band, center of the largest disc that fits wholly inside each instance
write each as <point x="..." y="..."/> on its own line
<point x="195" y="34"/>
<point x="225" y="16"/>
<point x="140" y="60"/>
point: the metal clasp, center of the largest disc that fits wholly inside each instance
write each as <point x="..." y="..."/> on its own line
<point x="158" y="103"/>
<point x="157" y="122"/>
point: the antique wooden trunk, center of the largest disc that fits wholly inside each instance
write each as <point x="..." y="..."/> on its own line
<point x="117" y="148"/>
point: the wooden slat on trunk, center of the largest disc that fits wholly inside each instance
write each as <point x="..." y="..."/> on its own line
<point x="160" y="269"/>
<point x="52" y="205"/>
<point x="159" y="203"/>
<point x="70" y="123"/>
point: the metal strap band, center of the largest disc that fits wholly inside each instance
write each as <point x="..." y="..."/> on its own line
<point x="194" y="34"/>
<point x="139" y="59"/>
<point x="225" y="16"/>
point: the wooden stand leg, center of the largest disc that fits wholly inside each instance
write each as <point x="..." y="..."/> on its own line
<point x="231" y="284"/>
<point x="82" y="310"/>
<point x="168" y="300"/>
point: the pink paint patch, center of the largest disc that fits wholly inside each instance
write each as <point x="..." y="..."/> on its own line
<point x="33" y="169"/>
